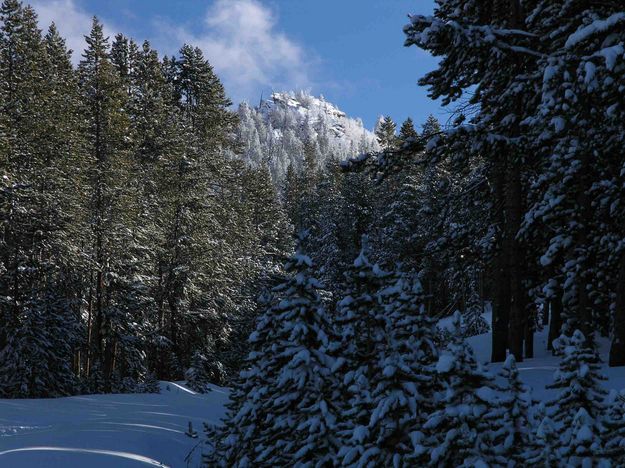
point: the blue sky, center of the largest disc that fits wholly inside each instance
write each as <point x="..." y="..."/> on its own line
<point x="351" y="51"/>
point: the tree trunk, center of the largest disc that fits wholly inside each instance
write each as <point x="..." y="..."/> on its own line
<point x="500" y="278"/>
<point x="513" y="254"/>
<point x="529" y="332"/>
<point x="617" y="350"/>
<point x="555" y="322"/>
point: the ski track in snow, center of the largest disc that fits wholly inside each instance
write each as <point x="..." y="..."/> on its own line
<point x="101" y="431"/>
<point x="129" y="456"/>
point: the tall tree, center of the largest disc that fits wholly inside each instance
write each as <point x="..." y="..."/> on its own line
<point x="385" y="131"/>
<point x="407" y="131"/>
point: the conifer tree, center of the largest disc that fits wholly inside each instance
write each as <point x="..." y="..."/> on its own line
<point x="385" y="131"/>
<point x="431" y="127"/>
<point x="543" y="450"/>
<point x="452" y="434"/>
<point x="194" y="218"/>
<point x="473" y="319"/>
<point x="196" y="375"/>
<point x="402" y="379"/>
<point x="104" y="98"/>
<point x="284" y="407"/>
<point x="579" y="408"/>
<point x="39" y="197"/>
<point x="407" y="131"/>
<point x="614" y="423"/>
<point x="361" y="328"/>
<point x="507" y="425"/>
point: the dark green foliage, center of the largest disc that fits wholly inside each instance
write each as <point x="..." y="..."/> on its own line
<point x="128" y="229"/>
<point x="386" y="133"/>
<point x="407" y="131"/>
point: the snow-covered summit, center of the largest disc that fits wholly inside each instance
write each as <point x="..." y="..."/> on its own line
<point x="283" y="127"/>
<point x="305" y="105"/>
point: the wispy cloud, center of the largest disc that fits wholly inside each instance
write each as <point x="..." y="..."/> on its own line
<point x="72" y="22"/>
<point x="240" y="38"/>
<point x="243" y="43"/>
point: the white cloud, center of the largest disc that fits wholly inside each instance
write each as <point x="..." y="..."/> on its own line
<point x="241" y="40"/>
<point x="72" y="22"/>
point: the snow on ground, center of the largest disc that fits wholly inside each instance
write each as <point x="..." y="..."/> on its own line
<point x="120" y="431"/>
<point x="538" y="372"/>
<point x="125" y="431"/>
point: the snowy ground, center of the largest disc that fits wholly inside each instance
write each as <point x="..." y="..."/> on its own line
<point x="120" y="431"/>
<point x="538" y="372"/>
<point x="123" y="431"/>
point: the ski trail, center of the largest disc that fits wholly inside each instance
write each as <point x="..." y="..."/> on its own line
<point x="112" y="453"/>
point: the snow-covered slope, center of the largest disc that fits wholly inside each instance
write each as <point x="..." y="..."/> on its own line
<point x="282" y="128"/>
<point x="107" y="430"/>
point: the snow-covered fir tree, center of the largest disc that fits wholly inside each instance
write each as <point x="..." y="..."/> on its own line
<point x="507" y="427"/>
<point x="614" y="424"/>
<point x="402" y="378"/>
<point x="453" y="433"/>
<point x="197" y="375"/>
<point x="473" y="316"/>
<point x="579" y="408"/>
<point x="543" y="450"/>
<point x="283" y="410"/>
<point x="361" y="325"/>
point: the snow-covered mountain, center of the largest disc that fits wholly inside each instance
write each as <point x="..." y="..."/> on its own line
<point x="282" y="129"/>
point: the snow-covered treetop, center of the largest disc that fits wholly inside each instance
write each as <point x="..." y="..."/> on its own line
<point x="289" y="126"/>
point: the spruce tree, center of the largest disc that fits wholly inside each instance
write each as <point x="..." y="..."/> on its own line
<point x="579" y="408"/>
<point x="196" y="375"/>
<point x="407" y="131"/>
<point x="283" y="409"/>
<point x="39" y="205"/>
<point x="402" y="380"/>
<point x="507" y="426"/>
<point x="385" y="132"/>
<point x="614" y="423"/>
<point x="361" y="327"/>
<point x="452" y="435"/>
<point x="473" y="319"/>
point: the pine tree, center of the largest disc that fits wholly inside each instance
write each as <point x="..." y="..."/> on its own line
<point x="543" y="451"/>
<point x="283" y="410"/>
<point x="194" y="216"/>
<point x="407" y="131"/>
<point x="503" y="99"/>
<point x="451" y="435"/>
<point x="385" y="132"/>
<point x="431" y="127"/>
<point x="473" y="319"/>
<point x="402" y="380"/>
<point x="614" y="423"/>
<point x="107" y="126"/>
<point x="579" y="408"/>
<point x="196" y="375"/>
<point x="507" y="425"/>
<point x="39" y="280"/>
<point x="361" y="326"/>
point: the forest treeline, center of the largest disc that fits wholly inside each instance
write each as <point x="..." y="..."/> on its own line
<point x="128" y="240"/>
<point x="139" y="228"/>
<point x="540" y="114"/>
